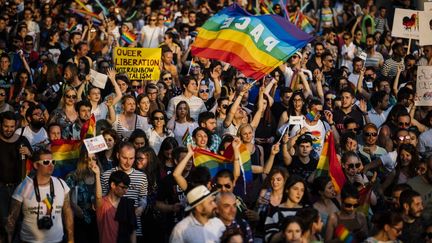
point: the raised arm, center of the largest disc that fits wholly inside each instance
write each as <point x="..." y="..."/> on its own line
<point x="178" y="171"/>
<point x="111" y="75"/>
<point x="236" y="166"/>
<point x="257" y="117"/>
<point x="360" y="84"/>
<point x="269" y="163"/>
<point x="396" y="81"/>
<point x="217" y="84"/>
<point x="98" y="190"/>
<point x="230" y="116"/>
<point x="319" y="87"/>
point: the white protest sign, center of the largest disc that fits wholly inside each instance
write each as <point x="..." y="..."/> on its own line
<point x="295" y="120"/>
<point x="426" y="28"/>
<point x="406" y="24"/>
<point x="95" y="144"/>
<point x="424" y="86"/>
<point x="428" y="6"/>
<point x="98" y="79"/>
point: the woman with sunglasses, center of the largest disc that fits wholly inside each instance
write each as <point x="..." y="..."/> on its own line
<point x="294" y="199"/>
<point x="296" y="107"/>
<point x="389" y="226"/>
<point x="221" y="112"/>
<point x="159" y="130"/>
<point x="348" y="218"/>
<point x="167" y="78"/>
<point x="65" y="114"/>
<point x="82" y="194"/>
<point x="182" y="123"/>
<point x="151" y="35"/>
<point x="369" y="148"/>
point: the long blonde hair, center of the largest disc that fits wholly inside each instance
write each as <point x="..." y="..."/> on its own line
<point x="68" y="88"/>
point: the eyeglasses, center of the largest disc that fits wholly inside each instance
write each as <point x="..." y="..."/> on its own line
<point x="29" y="43"/>
<point x="352" y="166"/>
<point x="219" y="186"/>
<point x="403" y="123"/>
<point x="354" y="130"/>
<point x="152" y="19"/>
<point x="123" y="187"/>
<point x="161" y="19"/>
<point x="295" y="56"/>
<point x="329" y="98"/>
<point x="71" y="96"/>
<point x="398" y="231"/>
<point x="224" y="106"/>
<point x="167" y="78"/>
<point x="158" y="118"/>
<point x="349" y="205"/>
<point x="46" y="162"/>
<point x="2" y="94"/>
<point x="402" y="138"/>
<point x="204" y="91"/>
<point x="370" y="134"/>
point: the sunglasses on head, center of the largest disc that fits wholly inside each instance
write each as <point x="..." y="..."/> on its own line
<point x="219" y="186"/>
<point x="46" y="162"/>
<point x="204" y="91"/>
<point x="352" y="166"/>
<point x="370" y="134"/>
<point x="350" y="205"/>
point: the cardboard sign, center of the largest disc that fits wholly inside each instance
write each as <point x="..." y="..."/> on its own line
<point x="428" y="6"/>
<point x="426" y="28"/>
<point x="95" y="144"/>
<point x="138" y="63"/>
<point x="424" y="86"/>
<point x="295" y="120"/>
<point x="406" y="24"/>
<point x="98" y="79"/>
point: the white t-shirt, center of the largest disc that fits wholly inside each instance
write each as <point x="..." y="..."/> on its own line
<point x="389" y="160"/>
<point x="152" y="36"/>
<point x="36" y="140"/>
<point x="100" y="112"/>
<point x="25" y="194"/>
<point x="180" y="130"/>
<point x="155" y="141"/>
<point x="317" y="132"/>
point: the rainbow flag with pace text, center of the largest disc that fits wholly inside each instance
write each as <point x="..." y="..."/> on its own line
<point x="329" y="163"/>
<point x="215" y="162"/>
<point x="66" y="154"/>
<point x="255" y="45"/>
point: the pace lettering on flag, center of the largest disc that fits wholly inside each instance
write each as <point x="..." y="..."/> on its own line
<point x="255" y="45"/>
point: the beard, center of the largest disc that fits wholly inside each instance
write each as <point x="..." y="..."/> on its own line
<point x="38" y="124"/>
<point x="7" y="135"/>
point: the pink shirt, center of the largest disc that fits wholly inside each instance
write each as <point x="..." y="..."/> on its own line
<point x="108" y="227"/>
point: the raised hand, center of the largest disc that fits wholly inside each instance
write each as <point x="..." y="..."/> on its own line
<point x="111" y="73"/>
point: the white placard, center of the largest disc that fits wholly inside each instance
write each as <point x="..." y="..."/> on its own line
<point x="98" y="79"/>
<point x="426" y="28"/>
<point x="95" y="144"/>
<point x="295" y="120"/>
<point x="406" y="24"/>
<point x="428" y="6"/>
<point x="363" y="56"/>
<point x="424" y="86"/>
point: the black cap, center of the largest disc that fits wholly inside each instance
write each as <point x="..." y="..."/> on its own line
<point x="305" y="138"/>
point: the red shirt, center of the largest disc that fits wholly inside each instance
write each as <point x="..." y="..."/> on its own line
<point x="107" y="225"/>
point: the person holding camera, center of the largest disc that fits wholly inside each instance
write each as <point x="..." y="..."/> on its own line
<point x="44" y="201"/>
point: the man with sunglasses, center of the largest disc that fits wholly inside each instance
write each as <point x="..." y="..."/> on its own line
<point x="369" y="148"/>
<point x="45" y="204"/>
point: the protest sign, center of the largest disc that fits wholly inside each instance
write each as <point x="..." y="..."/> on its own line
<point x="426" y="28"/>
<point x="98" y="79"/>
<point x="424" y="86"/>
<point x="138" y="63"/>
<point x="95" y="144"/>
<point x="406" y="24"/>
<point x="295" y="120"/>
<point x="428" y="6"/>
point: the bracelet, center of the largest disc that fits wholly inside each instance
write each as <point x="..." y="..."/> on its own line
<point x="332" y="124"/>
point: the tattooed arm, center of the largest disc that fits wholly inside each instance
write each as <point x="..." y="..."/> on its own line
<point x="68" y="219"/>
<point x="14" y="213"/>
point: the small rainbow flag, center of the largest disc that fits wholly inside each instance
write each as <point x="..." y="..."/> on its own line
<point x="66" y="154"/>
<point x="48" y="202"/>
<point x="329" y="163"/>
<point x="128" y="37"/>
<point x="300" y="20"/>
<point x="365" y="194"/>
<point x="311" y="116"/>
<point x="185" y="136"/>
<point x="88" y="129"/>
<point x="343" y="234"/>
<point x="72" y="28"/>
<point x="215" y="162"/>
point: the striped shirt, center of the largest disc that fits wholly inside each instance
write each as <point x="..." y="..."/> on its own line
<point x="275" y="219"/>
<point x="390" y="67"/>
<point x="137" y="190"/>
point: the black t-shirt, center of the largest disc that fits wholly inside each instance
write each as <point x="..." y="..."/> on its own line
<point x="339" y="117"/>
<point x="413" y="232"/>
<point x="170" y="193"/>
<point x="277" y="110"/>
<point x="12" y="167"/>
<point x="303" y="170"/>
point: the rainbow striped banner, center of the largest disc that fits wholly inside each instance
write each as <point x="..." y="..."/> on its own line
<point x="255" y="45"/>
<point x="329" y="163"/>
<point x="215" y="162"/>
<point x="343" y="234"/>
<point x="66" y="154"/>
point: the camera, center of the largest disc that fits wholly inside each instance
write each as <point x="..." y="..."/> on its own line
<point x="45" y="223"/>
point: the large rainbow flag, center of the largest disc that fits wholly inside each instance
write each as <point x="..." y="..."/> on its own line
<point x="215" y="162"/>
<point x="329" y="163"/>
<point x="66" y="154"/>
<point x="255" y="45"/>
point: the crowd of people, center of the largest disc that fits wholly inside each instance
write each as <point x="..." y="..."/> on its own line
<point x="354" y="84"/>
